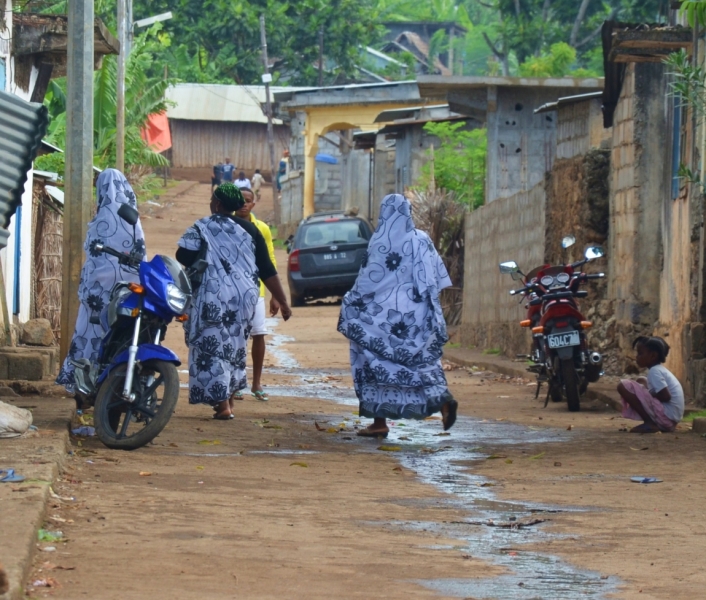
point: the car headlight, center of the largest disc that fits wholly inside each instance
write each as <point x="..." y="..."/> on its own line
<point x="176" y="299"/>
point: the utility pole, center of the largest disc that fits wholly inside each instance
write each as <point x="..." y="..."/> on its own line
<point x="267" y="79"/>
<point x="79" y="158"/>
<point x="321" y="56"/>
<point x="120" y="92"/>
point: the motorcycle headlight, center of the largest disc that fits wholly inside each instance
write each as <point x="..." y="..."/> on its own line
<point x="176" y="299"/>
<point x="547" y="280"/>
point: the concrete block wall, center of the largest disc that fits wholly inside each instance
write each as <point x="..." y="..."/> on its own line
<point x="639" y="183"/>
<point x="507" y="229"/>
<point x="579" y="128"/>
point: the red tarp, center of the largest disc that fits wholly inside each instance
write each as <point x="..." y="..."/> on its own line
<point x="156" y="133"/>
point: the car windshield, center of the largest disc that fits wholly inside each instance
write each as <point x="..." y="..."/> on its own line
<point x="325" y="233"/>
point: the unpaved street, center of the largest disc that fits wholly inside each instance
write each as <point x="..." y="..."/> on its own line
<point x="286" y="502"/>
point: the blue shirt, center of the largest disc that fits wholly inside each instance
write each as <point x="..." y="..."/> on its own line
<point x="228" y="171"/>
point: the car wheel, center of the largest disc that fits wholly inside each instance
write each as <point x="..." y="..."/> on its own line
<point x="296" y="300"/>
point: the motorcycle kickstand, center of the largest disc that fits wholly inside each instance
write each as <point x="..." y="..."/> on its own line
<point x="546" y="400"/>
<point x="539" y="387"/>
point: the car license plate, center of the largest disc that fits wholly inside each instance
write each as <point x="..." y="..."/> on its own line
<point x="564" y="340"/>
<point x="335" y="256"/>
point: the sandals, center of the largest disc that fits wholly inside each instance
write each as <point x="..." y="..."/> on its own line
<point x="448" y="413"/>
<point x="372" y="434"/>
<point x="8" y="476"/>
<point x="261" y="395"/>
<point x="224" y="417"/>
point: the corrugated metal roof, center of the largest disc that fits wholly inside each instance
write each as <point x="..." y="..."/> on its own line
<point x="22" y="125"/>
<point x="210" y="102"/>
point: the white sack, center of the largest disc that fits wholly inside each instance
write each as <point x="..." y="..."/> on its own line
<point x="14" y="421"/>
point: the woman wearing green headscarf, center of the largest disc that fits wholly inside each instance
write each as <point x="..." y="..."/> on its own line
<point x="223" y="306"/>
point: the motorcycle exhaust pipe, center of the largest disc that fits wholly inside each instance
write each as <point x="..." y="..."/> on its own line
<point x="594" y="368"/>
<point x="596" y="359"/>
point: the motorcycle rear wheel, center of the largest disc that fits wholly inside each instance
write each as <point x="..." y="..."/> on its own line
<point x="571" y="384"/>
<point x="123" y="425"/>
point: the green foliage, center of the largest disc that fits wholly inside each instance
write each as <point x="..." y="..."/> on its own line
<point x="556" y="63"/>
<point x="695" y="11"/>
<point x="144" y="96"/>
<point x="459" y="161"/>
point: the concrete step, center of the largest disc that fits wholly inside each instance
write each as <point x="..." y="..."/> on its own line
<point x="29" y="363"/>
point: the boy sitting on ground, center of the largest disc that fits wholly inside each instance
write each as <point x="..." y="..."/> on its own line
<point x="658" y="399"/>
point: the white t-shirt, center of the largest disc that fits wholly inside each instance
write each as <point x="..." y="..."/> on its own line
<point x="256" y="181"/>
<point x="242" y="183"/>
<point x="658" y="378"/>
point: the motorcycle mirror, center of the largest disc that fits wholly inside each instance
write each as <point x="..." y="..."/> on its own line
<point x="594" y="252"/>
<point x="568" y="241"/>
<point x="128" y="214"/>
<point x="516" y="276"/>
<point x="509" y="267"/>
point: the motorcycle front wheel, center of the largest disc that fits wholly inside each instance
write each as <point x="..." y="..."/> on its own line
<point x="571" y="384"/>
<point x="123" y="425"/>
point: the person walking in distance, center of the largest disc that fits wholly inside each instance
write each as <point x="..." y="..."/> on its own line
<point x="283" y="169"/>
<point x="242" y="181"/>
<point x="257" y="181"/>
<point x="259" y="330"/>
<point x="227" y="171"/>
<point x="395" y="325"/>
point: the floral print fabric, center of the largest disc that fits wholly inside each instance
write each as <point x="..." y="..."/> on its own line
<point x="101" y="271"/>
<point x="394" y="321"/>
<point x="222" y="310"/>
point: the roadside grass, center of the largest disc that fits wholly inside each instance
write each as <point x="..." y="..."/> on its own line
<point x="455" y="345"/>
<point x="492" y="351"/>
<point x="276" y="242"/>
<point x="694" y="415"/>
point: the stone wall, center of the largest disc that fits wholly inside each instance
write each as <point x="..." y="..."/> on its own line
<point x="506" y="229"/>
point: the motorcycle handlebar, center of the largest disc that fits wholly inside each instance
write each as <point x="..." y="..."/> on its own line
<point x="520" y="291"/>
<point x="123" y="259"/>
<point x="595" y="276"/>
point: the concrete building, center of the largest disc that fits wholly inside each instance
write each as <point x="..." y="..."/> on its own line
<point x="521" y="144"/>
<point x="332" y="114"/>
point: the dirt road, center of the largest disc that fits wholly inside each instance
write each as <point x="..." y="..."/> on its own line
<point x="285" y="501"/>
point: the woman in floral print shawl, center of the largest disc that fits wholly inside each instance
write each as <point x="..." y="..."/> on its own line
<point x="223" y="307"/>
<point x="101" y="271"/>
<point x="395" y="325"/>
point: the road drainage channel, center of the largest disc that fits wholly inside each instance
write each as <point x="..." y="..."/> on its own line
<point x="498" y="529"/>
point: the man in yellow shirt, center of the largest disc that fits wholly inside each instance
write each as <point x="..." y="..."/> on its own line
<point x="259" y="331"/>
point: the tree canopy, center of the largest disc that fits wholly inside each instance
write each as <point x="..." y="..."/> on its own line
<point x="218" y="41"/>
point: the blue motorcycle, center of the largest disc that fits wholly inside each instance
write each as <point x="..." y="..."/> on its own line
<point x="135" y="385"/>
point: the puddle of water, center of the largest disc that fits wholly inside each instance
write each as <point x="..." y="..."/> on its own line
<point x="442" y="462"/>
<point x="206" y="454"/>
<point x="282" y="452"/>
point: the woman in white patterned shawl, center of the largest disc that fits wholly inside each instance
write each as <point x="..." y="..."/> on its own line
<point x="395" y="324"/>
<point x="101" y="271"/>
<point x="223" y="306"/>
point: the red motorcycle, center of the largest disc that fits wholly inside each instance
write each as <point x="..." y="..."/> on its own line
<point x="560" y="350"/>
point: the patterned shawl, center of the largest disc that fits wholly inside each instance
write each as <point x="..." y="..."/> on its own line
<point x="101" y="271"/>
<point x="393" y="309"/>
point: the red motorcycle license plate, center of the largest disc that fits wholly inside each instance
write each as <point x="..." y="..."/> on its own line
<point x="563" y="340"/>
